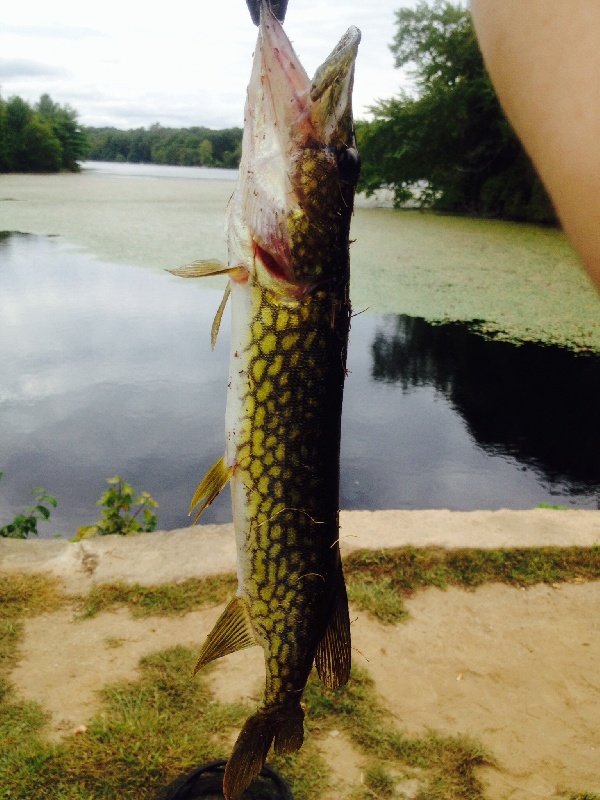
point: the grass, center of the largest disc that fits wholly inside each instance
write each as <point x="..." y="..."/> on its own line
<point x="171" y="598"/>
<point x="555" y="508"/>
<point x="27" y="595"/>
<point x="156" y="729"/>
<point x="379" y="580"/>
<point x="151" y="731"/>
<point x="148" y="734"/>
<point x="445" y="766"/>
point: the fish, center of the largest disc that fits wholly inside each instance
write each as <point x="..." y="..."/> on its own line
<point x="288" y="225"/>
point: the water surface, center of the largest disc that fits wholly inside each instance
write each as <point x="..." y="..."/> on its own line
<point x="106" y="368"/>
<point x="518" y="282"/>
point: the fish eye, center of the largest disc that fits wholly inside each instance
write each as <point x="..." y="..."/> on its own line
<point x="348" y="162"/>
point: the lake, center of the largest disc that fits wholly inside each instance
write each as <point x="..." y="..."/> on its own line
<point x="106" y="368"/>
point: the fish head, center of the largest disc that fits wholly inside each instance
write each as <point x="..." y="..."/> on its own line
<point x="289" y="218"/>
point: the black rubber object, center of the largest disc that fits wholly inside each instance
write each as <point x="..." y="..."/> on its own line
<point x="206" y="783"/>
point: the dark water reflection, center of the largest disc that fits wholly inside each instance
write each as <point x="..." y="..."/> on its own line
<point x="535" y="404"/>
<point x="107" y="369"/>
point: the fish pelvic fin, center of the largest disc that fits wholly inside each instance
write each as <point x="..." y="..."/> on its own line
<point x="334" y="653"/>
<point x="214" y="331"/>
<point x="283" y="725"/>
<point x="202" y="269"/>
<point x="232" y="632"/>
<point x="215" y="479"/>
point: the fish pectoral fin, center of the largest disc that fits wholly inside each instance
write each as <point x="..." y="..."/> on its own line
<point x="334" y="654"/>
<point x="201" y="269"/>
<point x="218" y="317"/>
<point x="207" y="267"/>
<point x="250" y="751"/>
<point x="212" y="483"/>
<point x="232" y="632"/>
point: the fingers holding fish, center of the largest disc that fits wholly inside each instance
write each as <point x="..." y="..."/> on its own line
<point x="278" y="9"/>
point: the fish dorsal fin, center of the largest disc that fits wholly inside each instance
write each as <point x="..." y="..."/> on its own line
<point x="212" y="483"/>
<point x="232" y="632"/>
<point x="333" y="656"/>
<point x="218" y="317"/>
<point x="201" y="269"/>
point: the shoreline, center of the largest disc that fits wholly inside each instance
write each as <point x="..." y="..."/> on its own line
<point x="170" y="556"/>
<point x="439" y="268"/>
<point x="510" y="667"/>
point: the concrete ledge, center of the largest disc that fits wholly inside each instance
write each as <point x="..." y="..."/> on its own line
<point x="165" y="556"/>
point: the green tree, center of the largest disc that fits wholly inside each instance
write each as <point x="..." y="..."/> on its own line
<point x="66" y="129"/>
<point x="18" y="115"/>
<point x="205" y="153"/>
<point x="159" y="145"/>
<point x="46" y="138"/>
<point x="4" y="150"/>
<point x="47" y="107"/>
<point x="447" y="144"/>
<point x="42" y="151"/>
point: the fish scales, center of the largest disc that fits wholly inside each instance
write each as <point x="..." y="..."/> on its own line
<point x="286" y="486"/>
<point x="288" y="227"/>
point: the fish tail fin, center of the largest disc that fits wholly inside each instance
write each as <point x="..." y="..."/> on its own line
<point x="284" y="726"/>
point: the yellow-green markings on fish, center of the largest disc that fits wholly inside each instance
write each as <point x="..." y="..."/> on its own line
<point x="288" y="226"/>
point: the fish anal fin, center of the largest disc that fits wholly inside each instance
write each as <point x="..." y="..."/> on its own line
<point x="232" y="632"/>
<point x="334" y="653"/>
<point x="218" y="317"/>
<point x="252" y="746"/>
<point x="212" y="483"/>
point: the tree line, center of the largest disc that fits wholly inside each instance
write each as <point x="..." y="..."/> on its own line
<point x="190" y="147"/>
<point x="44" y="138"/>
<point x="447" y="144"/>
<point x="48" y="137"/>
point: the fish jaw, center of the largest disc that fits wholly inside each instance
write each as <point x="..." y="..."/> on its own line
<point x="293" y="175"/>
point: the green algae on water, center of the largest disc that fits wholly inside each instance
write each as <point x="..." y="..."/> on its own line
<point x="513" y="281"/>
<point x="509" y="281"/>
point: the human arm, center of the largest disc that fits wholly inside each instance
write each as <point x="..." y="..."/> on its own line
<point x="544" y="59"/>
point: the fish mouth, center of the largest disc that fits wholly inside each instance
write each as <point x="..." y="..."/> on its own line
<point x="331" y="91"/>
<point x="290" y="120"/>
<point x="319" y="109"/>
<point x="274" y="268"/>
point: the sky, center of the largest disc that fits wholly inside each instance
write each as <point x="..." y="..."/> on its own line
<point x="179" y="63"/>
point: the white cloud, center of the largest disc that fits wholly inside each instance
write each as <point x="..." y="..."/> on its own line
<point x="19" y="68"/>
<point x="55" y="31"/>
<point x="180" y="65"/>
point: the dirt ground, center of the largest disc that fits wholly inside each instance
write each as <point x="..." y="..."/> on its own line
<point x="515" y="668"/>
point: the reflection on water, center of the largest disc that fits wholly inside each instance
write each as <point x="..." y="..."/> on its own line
<point x="107" y="369"/>
<point x="159" y="171"/>
<point x="536" y="404"/>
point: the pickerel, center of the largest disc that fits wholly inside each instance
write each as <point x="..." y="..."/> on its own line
<point x="288" y="228"/>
